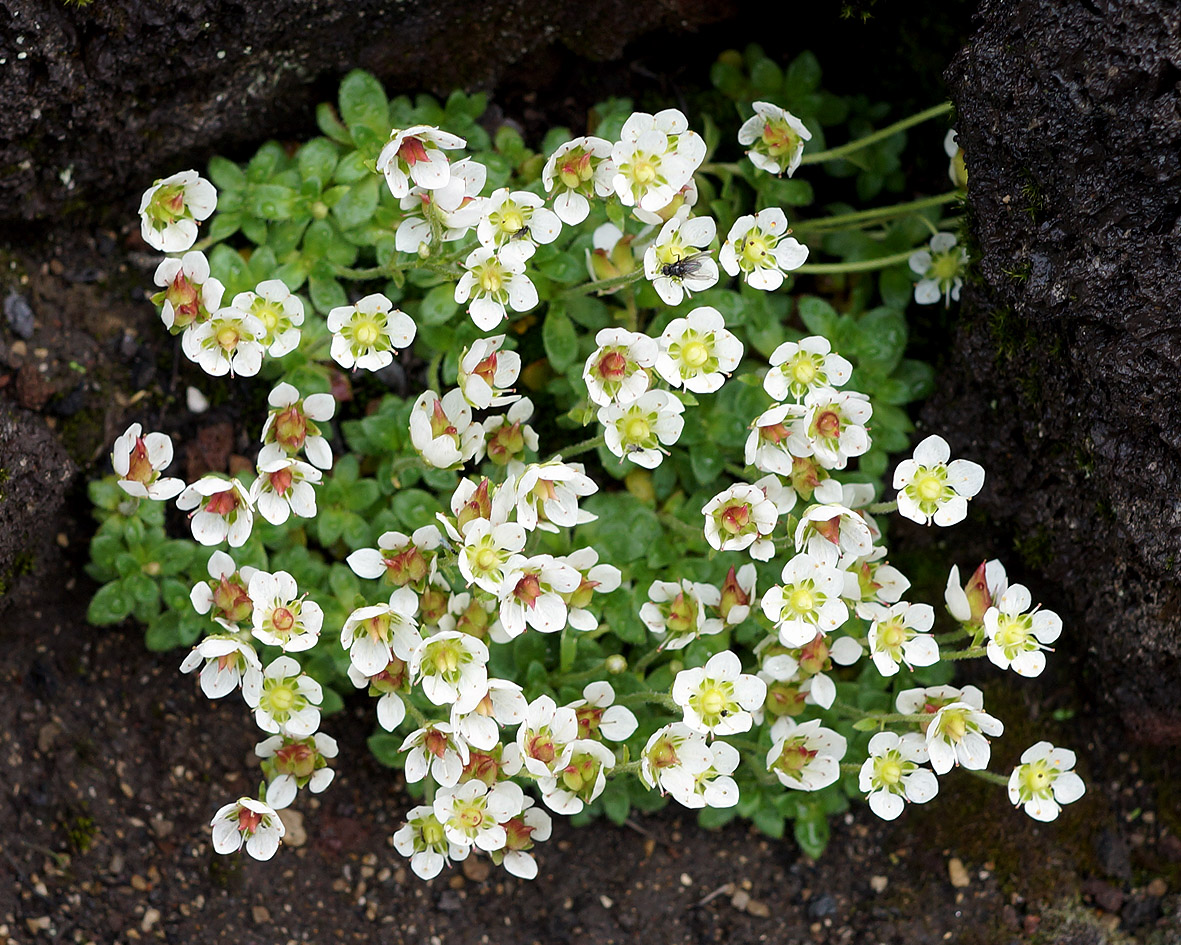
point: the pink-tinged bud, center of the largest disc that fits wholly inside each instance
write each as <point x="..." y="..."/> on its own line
<point x="186" y="301"/>
<point x="732" y="595"/>
<point x="473" y="621"/>
<point x="390" y="679"/>
<point x="602" y="266"/>
<point x="736" y="517"/>
<point x="794" y="757"/>
<point x="682" y="614"/>
<point x="979" y="599"/>
<point x="829" y="530"/>
<point x="814" y="656"/>
<point x="139" y="467"/>
<point x="441" y="424"/>
<point x="478" y="506"/>
<point x="482" y="766"/>
<point x="827" y="424"/>
<point x="784" y="699"/>
<point x="412" y="150"/>
<point x="282" y="619"/>
<point x="231" y="601"/>
<point x="222" y="503"/>
<point x="435" y="742"/>
<point x="281" y="480"/>
<point x="518" y="835"/>
<point x="487" y="369"/>
<point x="542" y="747"/>
<point x="406" y="567"/>
<point x="296" y="758"/>
<point x="506" y="443"/>
<point x="806" y="475"/>
<point x="581" y="596"/>
<point x="774" y="432"/>
<point x="613" y="366"/>
<point x="779" y="139"/>
<point x="290" y="428"/>
<point x="663" y="754"/>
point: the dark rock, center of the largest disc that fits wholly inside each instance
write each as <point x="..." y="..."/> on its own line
<point x="19" y="314"/>
<point x="1105" y="896"/>
<point x="1113" y="856"/>
<point x="1065" y="381"/>
<point x="1140" y="910"/>
<point x="822" y="906"/>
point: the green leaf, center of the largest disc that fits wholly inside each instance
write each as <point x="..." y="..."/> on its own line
<point x="384" y="746"/>
<point x="317" y="159"/>
<point x="881" y="338"/>
<point x="438" y="305"/>
<point x="110" y="604"/>
<point x="625" y="529"/>
<point x="811" y="829"/>
<point x="363" y="103"/>
<point x="225" y="174"/>
<point x="329" y="122"/>
<point x="271" y="201"/>
<point x="770" y="821"/>
<point x="223" y="226"/>
<point x="818" y="316"/>
<point x="358" y="205"/>
<point x="803" y="75"/>
<point x="616" y="804"/>
<point x="326" y="292"/>
<point x="560" y="339"/>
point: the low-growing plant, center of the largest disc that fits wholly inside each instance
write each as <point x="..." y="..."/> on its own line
<point x="700" y="605"/>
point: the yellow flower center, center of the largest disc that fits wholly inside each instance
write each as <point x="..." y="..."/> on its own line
<point x="491" y="280"/>
<point x="227" y="337"/>
<point x="366" y="332"/>
<point x="713" y="700"/>
<point x="637" y="430"/>
<point x="892" y="634"/>
<point x="928" y="486"/>
<point x="889" y="771"/>
<point x="268" y="314"/>
<point x="282" y="698"/>
<point x="643" y="171"/>
<point x="803" y="369"/>
<point x="486" y="559"/>
<point x="755" y="248"/>
<point x="695" y="354"/>
<point x="802" y="600"/>
<point x="512" y="221"/>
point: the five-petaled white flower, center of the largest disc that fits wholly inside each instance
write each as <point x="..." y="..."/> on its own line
<point x="968" y="604"/>
<point x="424" y="841"/>
<point x="580" y="779"/>
<point x="487" y="548"/>
<point x="452" y="668"/>
<point x="808" y="601"/>
<point x="671" y="749"/>
<point x="285" y="486"/>
<point x="138" y="461"/>
<point x="741" y="517"/>
<point x="374" y="635"/>
<point x="676" y="612"/>
<point x="718" y="698"/>
<point x="224" y="510"/>
<point x="511" y="216"/>
<point x="189" y="294"/>
<point x="280" y="312"/>
<point x="532" y="594"/>
<point x="833" y="534"/>
<point x="171" y="209"/>
<point x="799" y="367"/>
<point x="472" y="813"/>
<point x="231" y="342"/>
<point x="578" y="169"/>
<point x="941" y="267"/>
<point x="226" y="593"/>
<point x="759" y="248"/>
<point x="595" y="578"/>
<point x="892" y="774"/>
<point x="776" y="138"/>
<point x="287" y="701"/>
<point x="296" y="763"/>
<point x="292" y="425"/>
<point x="807" y="756"/>
<point x="1044" y="781"/>
<point x="248" y="822"/>
<point x="637" y="431"/>
<point x="957" y="730"/>
<point x="444" y="214"/>
<point x="834" y="425"/>
<point x="486" y="373"/>
<point x="401" y="559"/>
<point x="678" y="263"/>
<point x="899" y="634"/>
<point x="496" y="278"/>
<point x="228" y="662"/>
<point x="1016" y="639"/>
<point x="416" y="154"/>
<point x="654" y="158"/>
<point x="548" y="494"/>
<point x="930" y="489"/>
<point x="532" y="825"/>
<point x="712" y="787"/>
<point x="436" y="748"/>
<point x="697" y="352"/>
<point x="544" y="739"/>
<point x="618" y="369"/>
<point x="776" y="439"/>
<point x="365" y="335"/>
<point x="441" y="430"/>
<point x="282" y="618"/>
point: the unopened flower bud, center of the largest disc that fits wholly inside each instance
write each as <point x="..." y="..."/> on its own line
<point x="616" y="664"/>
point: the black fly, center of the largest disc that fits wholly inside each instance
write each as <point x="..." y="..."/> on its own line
<point x="683" y="268"/>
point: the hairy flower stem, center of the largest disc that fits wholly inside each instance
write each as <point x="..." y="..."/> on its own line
<point x="973" y="652"/>
<point x="883" y="508"/>
<point x="603" y="285"/>
<point x="990" y="776"/>
<point x="645" y="661"/>
<point x="587" y="675"/>
<point x="852" y="711"/>
<point x="584" y="447"/>
<point x="659" y="698"/>
<point x="833" y="154"/>
<point x="861" y="265"/>
<point x="875" y="215"/>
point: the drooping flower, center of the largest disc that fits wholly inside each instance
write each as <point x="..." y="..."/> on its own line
<point x="758" y="247"/>
<point x="617" y="372"/>
<point x="171" y="209"/>
<point x="1044" y="781"/>
<point x="697" y="352"/>
<point x="578" y="170"/>
<point x="416" y="154"/>
<point x="293" y="763"/>
<point x="365" y="335"/>
<point x="718" y="698"/>
<point x="677" y="263"/>
<point x="940" y="268"/>
<point x="969" y="603"/>
<point x="676" y="612"/>
<point x="639" y="430"/>
<point x="803" y="366"/>
<point x="226" y="663"/>
<point x="223" y="510"/>
<point x="189" y="295"/>
<point x="423" y="840"/>
<point x="387" y="686"/>
<point x="285" y="486"/>
<point x="282" y="618"/>
<point x="893" y="773"/>
<point x="532" y="825"/>
<point x="930" y="489"/>
<point x="444" y="214"/>
<point x="495" y="278"/>
<point x="247" y="822"/>
<point x="738" y="594"/>
<point x="1017" y="640"/>
<point x="280" y="312"/>
<point x="139" y="460"/>
<point x="777" y="138"/>
<point x="957" y="171"/>
<point x="805" y="756"/>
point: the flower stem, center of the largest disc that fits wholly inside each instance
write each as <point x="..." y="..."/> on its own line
<point x="584" y="447"/>
<point x="659" y="698"/>
<point x="971" y="653"/>
<point x="645" y="661"/>
<point x="600" y="286"/>
<point x="882" y="508"/>
<point x="852" y="147"/>
<point x="990" y="776"/>
<point x="861" y="265"/>
<point x="876" y="214"/>
<point x="569" y="679"/>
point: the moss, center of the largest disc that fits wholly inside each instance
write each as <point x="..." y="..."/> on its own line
<point x="1036" y="549"/>
<point x="80" y="829"/>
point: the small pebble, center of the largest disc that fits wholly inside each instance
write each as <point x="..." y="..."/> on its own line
<point x="958" y="874"/>
<point x="296" y="835"/>
<point x="879" y="883"/>
<point x="151" y="917"/>
<point x="261" y="915"/>
<point x="1158" y="887"/>
<point x="196" y="401"/>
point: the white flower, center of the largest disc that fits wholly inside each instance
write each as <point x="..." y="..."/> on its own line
<point x="697" y="352"/>
<point x="611" y="254"/>
<point x="718" y="698"/>
<point x="226" y="512"/>
<point x="638" y="430"/>
<point x="872" y="579"/>
<point x="444" y="214"/>
<point x="231" y="342"/>
<point x="285" y="486"/>
<point x="969" y="603"/>
<point x="280" y="312"/>
<point x="548" y="494"/>
<point x="1044" y="781"/>
<point x="808" y="602"/>
<point x="287" y="701"/>
<point x="373" y="635"/>
<point x="676" y="612"/>
<point x="758" y="247"/>
<point x="654" y="158"/>
<point x="807" y="756"/>
<point x="293" y="763"/>
<point x="594" y="578"/>
<point x="941" y="268"/>
<point x="900" y="634"/>
<point x="400" y="559"/>
<point x="510" y="216"/>
<point x="1016" y="639"/>
<point x="834" y="426"/>
<point x="487" y="548"/>
<point x="957" y="171"/>
<point x="227" y="663"/>
<point x="712" y="787"/>
<point x="248" y="822"/>
<point x="424" y="841"/>
<point x="452" y="668"/>
<point x="741" y="517"/>
<point x="437" y="748"/>
<point x="507" y="436"/>
<point x="496" y="278"/>
<point x="532" y="594"/>
<point x="171" y="209"/>
<point x="797" y="368"/>
<point x="280" y="619"/>
<point x="833" y="534"/>
<point x="366" y="334"/>
<point x="738" y="594"/>
<point x="580" y="780"/>
<point x="957" y="730"/>
<point x="892" y="773"/>
<point x="500" y="704"/>
<point x="775" y="440"/>
<point x="532" y="824"/>
<point x="618" y="369"/>
<point x="599" y="717"/>
<point x="580" y="168"/>
<point x="673" y="753"/>
<point x="292" y="425"/>
<point x="544" y="739"/>
<point x="138" y="461"/>
<point x="442" y="431"/>
<point x="416" y="154"/>
<point x="486" y="373"/>
<point x="190" y="295"/>
<point x="932" y="489"/>
<point x="472" y="813"/>
<point x="386" y="686"/>
<point x="226" y="593"/>
<point x="778" y="138"/>
<point x="677" y="263"/>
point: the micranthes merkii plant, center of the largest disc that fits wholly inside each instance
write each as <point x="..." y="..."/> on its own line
<point x="692" y="598"/>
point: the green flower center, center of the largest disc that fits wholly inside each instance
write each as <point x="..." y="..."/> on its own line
<point x="637" y="430"/>
<point x="695" y="354"/>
